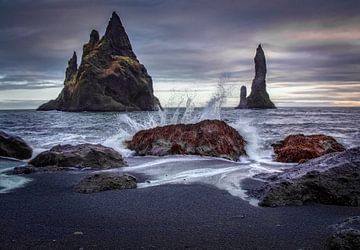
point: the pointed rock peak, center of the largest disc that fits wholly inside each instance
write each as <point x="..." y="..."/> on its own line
<point x="94" y="37"/>
<point x="72" y="67"/>
<point x="117" y="37"/>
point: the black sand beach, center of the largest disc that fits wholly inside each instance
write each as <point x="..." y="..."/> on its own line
<point x="47" y="214"/>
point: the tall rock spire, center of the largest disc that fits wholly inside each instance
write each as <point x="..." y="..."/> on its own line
<point x="259" y="98"/>
<point x="72" y="68"/>
<point x="116" y="35"/>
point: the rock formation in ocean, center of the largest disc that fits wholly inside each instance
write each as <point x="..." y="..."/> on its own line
<point x="99" y="182"/>
<point x="14" y="147"/>
<point x="332" y="179"/>
<point x="109" y="78"/>
<point x="299" y="148"/>
<point x="65" y="157"/>
<point x="259" y="98"/>
<point x="243" y="101"/>
<point x="207" y="138"/>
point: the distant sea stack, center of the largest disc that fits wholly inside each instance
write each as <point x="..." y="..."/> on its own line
<point x="243" y="101"/>
<point x="258" y="97"/>
<point x="109" y="78"/>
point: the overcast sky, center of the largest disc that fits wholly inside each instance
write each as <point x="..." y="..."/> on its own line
<point x="312" y="47"/>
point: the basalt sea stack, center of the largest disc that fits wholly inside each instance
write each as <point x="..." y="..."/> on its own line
<point x="109" y="78"/>
<point x="258" y="97"/>
<point x="243" y="102"/>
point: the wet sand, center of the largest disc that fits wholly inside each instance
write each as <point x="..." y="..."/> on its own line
<point x="47" y="214"/>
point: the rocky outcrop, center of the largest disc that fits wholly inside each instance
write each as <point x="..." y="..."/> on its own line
<point x="330" y="179"/>
<point x="346" y="235"/>
<point x="14" y="147"/>
<point x="207" y="138"/>
<point x="109" y="78"/>
<point x="65" y="157"/>
<point x="259" y="98"/>
<point x="243" y="101"/>
<point x="105" y="181"/>
<point x="299" y="148"/>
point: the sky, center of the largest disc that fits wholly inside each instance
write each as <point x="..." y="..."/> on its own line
<point x="312" y="47"/>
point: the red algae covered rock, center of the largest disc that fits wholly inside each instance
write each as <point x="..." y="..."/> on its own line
<point x="206" y="138"/>
<point x="300" y="148"/>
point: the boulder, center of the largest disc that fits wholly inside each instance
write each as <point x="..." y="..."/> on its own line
<point x="65" y="157"/>
<point x="14" y="147"/>
<point x="105" y="181"/>
<point x="332" y="179"/>
<point x="299" y="148"/>
<point x="346" y="235"/>
<point x="259" y="98"/>
<point x="109" y="78"/>
<point x="243" y="102"/>
<point x="206" y="138"/>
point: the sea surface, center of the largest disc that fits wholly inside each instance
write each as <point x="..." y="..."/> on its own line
<point x="261" y="128"/>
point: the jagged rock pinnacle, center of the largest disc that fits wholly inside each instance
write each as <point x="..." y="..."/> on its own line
<point x="117" y="37"/>
<point x="243" y="102"/>
<point x="72" y="67"/>
<point x="259" y="98"/>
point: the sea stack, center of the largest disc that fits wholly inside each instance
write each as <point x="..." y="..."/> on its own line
<point x="258" y="97"/>
<point x="109" y="78"/>
<point x="243" y="101"/>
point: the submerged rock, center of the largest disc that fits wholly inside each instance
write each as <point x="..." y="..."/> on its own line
<point x="243" y="102"/>
<point x="64" y="157"/>
<point x="330" y="179"/>
<point x="109" y="78"/>
<point x="259" y="98"/>
<point x="299" y="148"/>
<point x="14" y="147"/>
<point x="105" y="181"/>
<point x="207" y="138"/>
<point x="347" y="235"/>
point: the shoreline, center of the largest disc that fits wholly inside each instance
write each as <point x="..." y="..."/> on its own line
<point x="48" y="214"/>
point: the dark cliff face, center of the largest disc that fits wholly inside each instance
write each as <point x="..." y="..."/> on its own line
<point x="243" y="102"/>
<point x="109" y="78"/>
<point x="259" y="98"/>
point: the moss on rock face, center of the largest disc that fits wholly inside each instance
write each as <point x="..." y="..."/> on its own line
<point x="109" y="78"/>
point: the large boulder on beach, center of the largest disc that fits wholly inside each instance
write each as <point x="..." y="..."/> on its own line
<point x="14" y="147"/>
<point x="299" y="147"/>
<point x="206" y="138"/>
<point x="259" y="97"/>
<point x="330" y="179"/>
<point x="105" y="181"/>
<point x="65" y="157"/>
<point x="109" y="78"/>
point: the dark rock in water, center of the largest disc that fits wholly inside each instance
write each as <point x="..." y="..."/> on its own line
<point x="14" y="147"/>
<point x="331" y="179"/>
<point x="259" y="98"/>
<point x="299" y="148"/>
<point x="105" y="181"/>
<point x="243" y="101"/>
<point x="207" y="138"/>
<point x="109" y="78"/>
<point x="67" y="157"/>
<point x="347" y="235"/>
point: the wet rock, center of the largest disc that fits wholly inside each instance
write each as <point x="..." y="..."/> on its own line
<point x="67" y="157"/>
<point x="105" y="181"/>
<point x="207" y="138"/>
<point x="109" y="78"/>
<point x="14" y="147"/>
<point x="243" y="102"/>
<point x="299" y="148"/>
<point x="331" y="179"/>
<point x="259" y="98"/>
<point x="346" y="235"/>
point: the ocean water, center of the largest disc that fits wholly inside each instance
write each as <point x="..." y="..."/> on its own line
<point x="260" y="128"/>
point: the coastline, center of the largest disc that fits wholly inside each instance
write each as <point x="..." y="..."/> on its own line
<point x="48" y="214"/>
